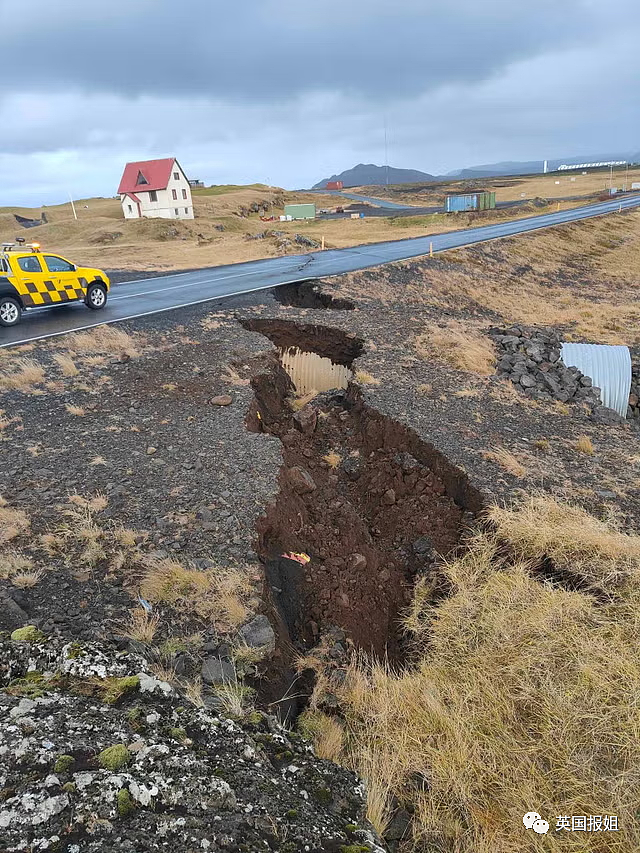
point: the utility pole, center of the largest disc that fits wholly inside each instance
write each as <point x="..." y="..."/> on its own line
<point x="73" y="207"/>
<point x="386" y="153"/>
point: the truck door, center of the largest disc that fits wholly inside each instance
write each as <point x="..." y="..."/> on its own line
<point x="35" y="286"/>
<point x="65" y="278"/>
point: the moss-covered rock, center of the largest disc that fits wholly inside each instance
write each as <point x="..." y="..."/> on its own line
<point x="116" y="689"/>
<point x="64" y="763"/>
<point x="114" y="757"/>
<point x="124" y="802"/>
<point x="28" y="634"/>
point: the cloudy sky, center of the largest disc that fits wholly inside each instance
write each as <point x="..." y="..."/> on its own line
<point x="286" y="92"/>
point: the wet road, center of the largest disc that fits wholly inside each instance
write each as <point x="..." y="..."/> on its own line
<point x="165" y="293"/>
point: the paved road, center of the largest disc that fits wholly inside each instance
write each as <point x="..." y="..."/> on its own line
<point x="380" y="202"/>
<point x="152" y="295"/>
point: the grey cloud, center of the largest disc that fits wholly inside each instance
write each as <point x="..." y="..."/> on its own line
<point x="258" y="50"/>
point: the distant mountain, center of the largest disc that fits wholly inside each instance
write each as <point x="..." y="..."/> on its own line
<point x="364" y="175"/>
<point x="529" y="167"/>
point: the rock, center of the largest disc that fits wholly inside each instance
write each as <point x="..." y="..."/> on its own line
<point x="422" y="546"/>
<point x="357" y="562"/>
<point x="29" y="634"/>
<point x="389" y="497"/>
<point x="527" y="381"/>
<point x="306" y="420"/>
<point x="258" y="634"/>
<point x="217" y="671"/>
<point x="352" y="467"/>
<point x="151" y="450"/>
<point x="222" y="400"/>
<point x="12" y="615"/>
<point x="300" y="481"/>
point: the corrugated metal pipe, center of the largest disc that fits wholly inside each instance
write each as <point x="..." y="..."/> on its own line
<point x="608" y="366"/>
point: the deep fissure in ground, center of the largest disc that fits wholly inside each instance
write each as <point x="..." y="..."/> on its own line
<point x="370" y="501"/>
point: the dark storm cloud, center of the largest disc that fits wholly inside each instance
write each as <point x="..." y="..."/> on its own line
<point x="262" y="50"/>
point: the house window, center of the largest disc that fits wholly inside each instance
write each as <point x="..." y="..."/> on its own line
<point x="186" y="210"/>
<point x="130" y="208"/>
<point x="141" y="179"/>
<point x="176" y="176"/>
<point x="177" y="212"/>
<point x="153" y="195"/>
<point x="175" y="194"/>
<point x="184" y="193"/>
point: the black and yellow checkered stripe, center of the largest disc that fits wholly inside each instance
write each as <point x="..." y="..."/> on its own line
<point x="47" y="293"/>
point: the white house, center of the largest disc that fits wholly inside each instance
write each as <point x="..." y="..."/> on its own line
<point x="155" y="189"/>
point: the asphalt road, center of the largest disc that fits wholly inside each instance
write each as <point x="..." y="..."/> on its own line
<point x="164" y="293"/>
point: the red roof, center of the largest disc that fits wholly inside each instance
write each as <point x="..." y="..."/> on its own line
<point x="155" y="172"/>
<point x="133" y="196"/>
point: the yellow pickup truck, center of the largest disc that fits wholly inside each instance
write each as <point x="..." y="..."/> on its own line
<point x="32" y="278"/>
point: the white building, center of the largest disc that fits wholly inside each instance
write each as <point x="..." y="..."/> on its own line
<point x="155" y="189"/>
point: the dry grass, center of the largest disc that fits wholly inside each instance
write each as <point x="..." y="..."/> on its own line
<point x="584" y="445"/>
<point x="105" y="340"/>
<point x="364" y="378"/>
<point x="26" y="580"/>
<point x="141" y="626"/>
<point x="326" y="732"/>
<point x="24" y="375"/>
<point x="66" y="364"/>
<point x="332" y="459"/>
<point x="218" y="595"/>
<point x="507" y="460"/>
<point x="301" y="400"/>
<point x="75" y="410"/>
<point x="13" y="523"/>
<point x="459" y="345"/>
<point x="524" y="696"/>
<point x="597" y="551"/>
<point x="13" y="563"/>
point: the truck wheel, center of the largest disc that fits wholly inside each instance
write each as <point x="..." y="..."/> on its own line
<point x="96" y="296"/>
<point x="10" y="311"/>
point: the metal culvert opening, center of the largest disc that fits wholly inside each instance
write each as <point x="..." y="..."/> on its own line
<point x="608" y="366"/>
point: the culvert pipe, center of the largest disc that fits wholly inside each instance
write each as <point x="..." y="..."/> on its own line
<point x="608" y="366"/>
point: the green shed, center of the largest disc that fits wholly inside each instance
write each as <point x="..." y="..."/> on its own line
<point x="300" y="211"/>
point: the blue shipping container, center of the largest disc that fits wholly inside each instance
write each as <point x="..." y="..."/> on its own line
<point x="459" y="203"/>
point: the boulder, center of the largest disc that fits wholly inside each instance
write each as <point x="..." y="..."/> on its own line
<point x="258" y="634"/>
<point x="300" y="481"/>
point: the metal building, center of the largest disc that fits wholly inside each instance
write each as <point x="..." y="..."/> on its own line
<point x="300" y="211"/>
<point x="608" y="366"/>
<point x="470" y="201"/>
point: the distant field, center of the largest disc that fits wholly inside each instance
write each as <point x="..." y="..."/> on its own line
<point x="509" y="188"/>
<point x="222" y="230"/>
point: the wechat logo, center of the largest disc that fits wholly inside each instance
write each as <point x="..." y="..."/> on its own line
<point x="532" y="820"/>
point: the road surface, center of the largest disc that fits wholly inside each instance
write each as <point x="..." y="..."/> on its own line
<point x="164" y="293"/>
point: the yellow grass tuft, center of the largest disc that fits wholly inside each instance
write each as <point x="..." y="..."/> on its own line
<point x="332" y="459"/>
<point x="326" y="733"/>
<point x="26" y="580"/>
<point x="505" y="459"/>
<point x="216" y="594"/>
<point x="66" y="364"/>
<point x="13" y="522"/>
<point x="24" y="375"/>
<point x="584" y="445"/>
<point x="459" y="345"/>
<point x="105" y="340"/>
<point x="576" y="541"/>
<point x="141" y="626"/>
<point x="13" y="563"/>
<point x="75" y="410"/>
<point x="364" y="378"/>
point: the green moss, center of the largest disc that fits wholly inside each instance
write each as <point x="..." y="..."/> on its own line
<point x="64" y="763"/>
<point x="350" y="828"/>
<point x="354" y="848"/>
<point x="323" y="796"/>
<point x="75" y="651"/>
<point x="124" y="802"/>
<point x="292" y="813"/>
<point x="178" y="734"/>
<point x="254" y="718"/>
<point x="28" y="634"/>
<point x="116" y="688"/>
<point x="114" y="757"/>
<point x="32" y="685"/>
<point x="70" y="787"/>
